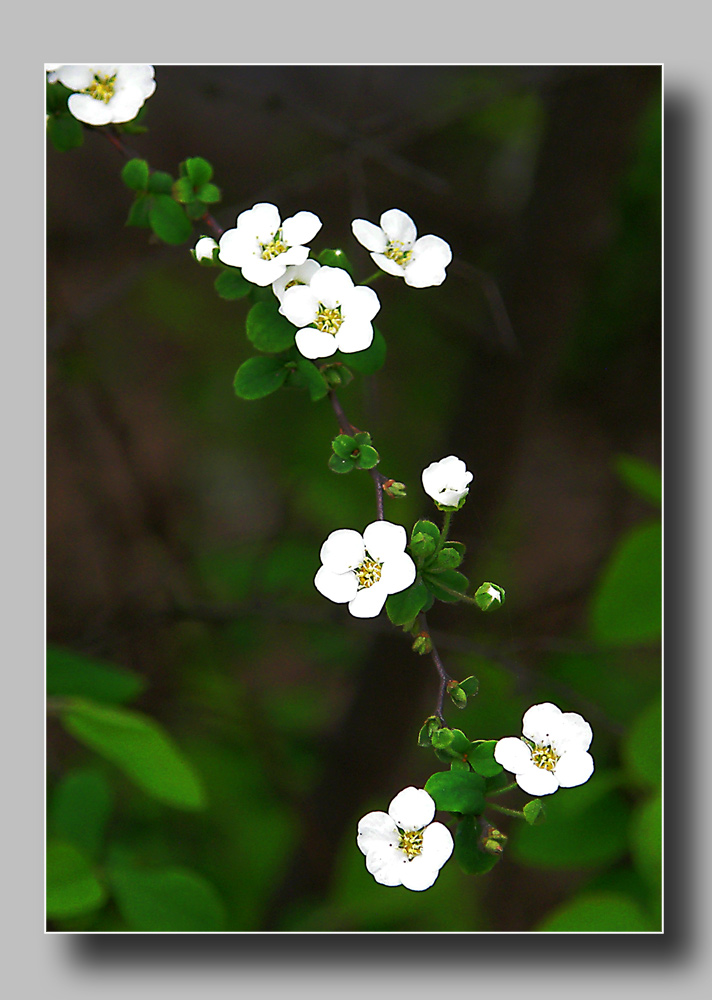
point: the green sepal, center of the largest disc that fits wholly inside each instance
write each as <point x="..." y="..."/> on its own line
<point x="343" y="445"/>
<point x="135" y="174"/>
<point x="457" y="791"/>
<point x="534" y="812"/>
<point x="450" y="578"/>
<point x="168" y="220"/>
<point x="230" y="284"/>
<point x="258" y="377"/>
<point x="403" y="607"/>
<point x="335" y="258"/>
<point x="485" y="599"/>
<point x="431" y="725"/>
<point x="368" y="457"/>
<point x="481" y="758"/>
<point x="340" y="465"/>
<point x="268" y="330"/>
<point x="160" y="182"/>
<point x="461" y="503"/>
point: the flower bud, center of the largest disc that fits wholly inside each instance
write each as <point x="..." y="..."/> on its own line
<point x="204" y="250"/>
<point x="394" y="489"/>
<point x="457" y="695"/>
<point x="489" y="596"/>
<point x="423" y="644"/>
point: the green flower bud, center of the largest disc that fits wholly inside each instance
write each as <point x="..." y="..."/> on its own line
<point x="489" y="596"/>
<point x="423" y="644"/>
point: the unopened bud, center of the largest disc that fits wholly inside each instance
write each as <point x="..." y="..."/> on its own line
<point x="489" y="596"/>
<point x="491" y="839"/>
<point x="423" y="644"/>
<point x="458" y="696"/>
<point x="394" y="489"/>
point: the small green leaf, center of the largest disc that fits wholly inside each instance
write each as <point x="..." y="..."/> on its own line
<point x="198" y="170"/>
<point x="182" y="190"/>
<point x="140" y="747"/>
<point x="341" y="465"/>
<point x="138" y="213"/>
<point x="258" y="377"/>
<point x="405" y="606"/>
<point x="470" y="856"/>
<point x="428" y="730"/>
<point x="335" y="258"/>
<point x="481" y="758"/>
<point x="369" y="361"/>
<point x="195" y="210"/>
<point x="534" y="812"/>
<point x="79" y="809"/>
<point x="470" y="686"/>
<point x="641" y="477"/>
<point x="343" y="445"/>
<point x="597" y="913"/>
<point x="426" y="528"/>
<point x="268" y="330"/>
<point x="642" y="747"/>
<point x="168" y="220"/>
<point x="626" y="607"/>
<point x="457" y="791"/>
<point x="69" y="674"/>
<point x="230" y="284"/>
<point x="453" y="740"/>
<point x="160" y="182"/>
<point x="362" y="438"/>
<point x="422" y="546"/>
<point x="209" y="193"/>
<point x="315" y="382"/>
<point x="72" y="887"/>
<point x="135" y="174"/>
<point x="450" y="578"/>
<point x="368" y="457"/>
<point x="168" y="900"/>
<point x="449" y="558"/>
<point x="64" y="132"/>
<point x="456" y="694"/>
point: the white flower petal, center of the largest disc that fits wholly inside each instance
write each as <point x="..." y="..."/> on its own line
<point x="368" y="603"/>
<point x="237" y="247"/>
<point x="263" y="272"/>
<point x="541" y="722"/>
<point x="332" y="286"/>
<point x="370" y="236"/>
<point x="574" y="733"/>
<point x="418" y="276"/>
<point x="434" y="249"/>
<point x="398" y="572"/>
<point x="437" y="844"/>
<point x="300" y="228"/>
<point x="338" y="587"/>
<point x="513" y="754"/>
<point x="361" y="303"/>
<point x="398" y="226"/>
<point x="299" y="304"/>
<point x="376" y="830"/>
<point x="203" y="249"/>
<point x="388" y="265"/>
<point x="354" y="335"/>
<point x="384" y="539"/>
<point x="299" y="273"/>
<point x="262" y="221"/>
<point x="75" y="77"/>
<point x="293" y="256"/>
<point x="412" y="809"/>
<point x="344" y="549"/>
<point x="386" y="866"/>
<point x="313" y="343"/>
<point x="537" y="781"/>
<point x="418" y="875"/>
<point x="87" y="109"/>
<point x="573" y="768"/>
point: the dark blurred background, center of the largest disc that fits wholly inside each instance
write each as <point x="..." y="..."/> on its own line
<point x="184" y="524"/>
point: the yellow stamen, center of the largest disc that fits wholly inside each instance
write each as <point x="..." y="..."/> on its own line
<point x="329" y="320"/>
<point x="275" y="247"/>
<point x="411" y="843"/>
<point x="101" y="88"/>
<point x="368" y="573"/>
<point x="544" y="757"/>
<point x="395" y="251"/>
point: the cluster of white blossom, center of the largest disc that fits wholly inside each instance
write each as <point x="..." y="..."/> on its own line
<point x="103" y="93"/>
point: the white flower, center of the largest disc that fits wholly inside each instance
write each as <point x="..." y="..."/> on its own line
<point x="263" y="246"/>
<point x="105" y="93"/>
<point x="333" y="314"/>
<point x="296" y="274"/>
<point x="204" y="248"/>
<point x="553" y="752"/>
<point x="404" y="846"/>
<point x="395" y="249"/>
<point x="362" y="570"/>
<point x="447" y="481"/>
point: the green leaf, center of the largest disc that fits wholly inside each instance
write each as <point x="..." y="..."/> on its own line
<point x="641" y="477"/>
<point x="209" y="193"/>
<point x="368" y="457"/>
<point x="160" y="182"/>
<point x="69" y="674"/>
<point x="453" y="740"/>
<point x="470" y="856"/>
<point x="642" y="747"/>
<point x="428" y="730"/>
<point x="426" y="528"/>
<point x="170" y="900"/>
<point x="369" y="361"/>
<point x="343" y="445"/>
<point x="79" y="809"/>
<point x="65" y="132"/>
<point x="627" y="605"/>
<point x="646" y="839"/>
<point x="534" y="812"/>
<point x="138" y="213"/>
<point x="335" y="258"/>
<point x="140" y="747"/>
<point x="72" y="886"/>
<point x="597" y="913"/>
<point x="315" y="381"/>
<point x="341" y="465"/>
<point x="195" y="210"/>
<point x="268" y="330"/>
<point x="135" y="174"/>
<point x="481" y="758"/>
<point x="362" y="438"/>
<point x="198" y="170"/>
<point x="457" y="791"/>
<point x="168" y="220"/>
<point x="230" y="284"/>
<point x="450" y="578"/>
<point x="182" y="190"/>
<point x="258" y="377"/>
<point x="404" y="606"/>
<point x="470" y="686"/>
<point x="422" y="546"/>
<point x="449" y="558"/>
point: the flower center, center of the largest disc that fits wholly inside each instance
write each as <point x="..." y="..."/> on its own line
<point x="101" y="88"/>
<point x="368" y="572"/>
<point x="396" y="251"/>
<point x="328" y="320"/>
<point x="544" y="757"/>
<point x="411" y="843"/>
<point x="293" y="282"/>
<point x="274" y="248"/>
